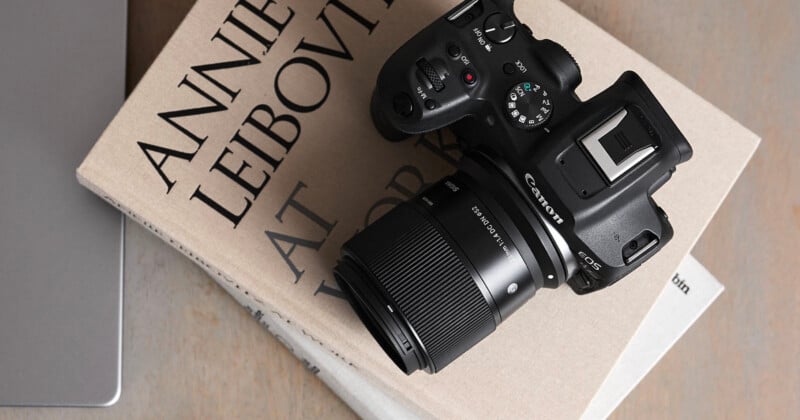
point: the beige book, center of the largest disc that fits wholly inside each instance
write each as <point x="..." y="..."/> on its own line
<point x="249" y="147"/>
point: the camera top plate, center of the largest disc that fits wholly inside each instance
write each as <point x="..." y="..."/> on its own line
<point x="481" y="68"/>
<point x="587" y="169"/>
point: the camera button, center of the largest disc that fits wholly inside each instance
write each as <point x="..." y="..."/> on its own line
<point x="403" y="105"/>
<point x="454" y="51"/>
<point x="500" y="28"/>
<point x="469" y="77"/>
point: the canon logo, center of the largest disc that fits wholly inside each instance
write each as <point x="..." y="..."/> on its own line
<point x="542" y="201"/>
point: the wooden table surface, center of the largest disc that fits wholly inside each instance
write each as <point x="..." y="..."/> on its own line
<point x="190" y="351"/>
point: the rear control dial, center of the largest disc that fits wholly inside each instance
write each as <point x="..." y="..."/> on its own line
<point x="528" y="105"/>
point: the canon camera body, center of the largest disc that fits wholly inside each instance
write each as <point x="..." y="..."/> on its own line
<point x="550" y="190"/>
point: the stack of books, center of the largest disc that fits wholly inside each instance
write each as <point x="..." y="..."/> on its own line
<point x="249" y="147"/>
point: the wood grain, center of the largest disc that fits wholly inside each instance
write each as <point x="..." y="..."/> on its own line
<point x="191" y="351"/>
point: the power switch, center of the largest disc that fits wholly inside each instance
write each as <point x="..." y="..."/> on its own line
<point x="500" y="28"/>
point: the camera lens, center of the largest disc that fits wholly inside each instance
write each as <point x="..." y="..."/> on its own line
<point x="438" y="273"/>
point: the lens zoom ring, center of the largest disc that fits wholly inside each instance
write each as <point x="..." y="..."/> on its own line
<point x="434" y="291"/>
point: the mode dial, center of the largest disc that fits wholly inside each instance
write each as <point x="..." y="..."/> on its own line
<point x="528" y="105"/>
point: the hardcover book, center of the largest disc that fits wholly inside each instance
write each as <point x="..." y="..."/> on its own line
<point x="684" y="298"/>
<point x="248" y="146"/>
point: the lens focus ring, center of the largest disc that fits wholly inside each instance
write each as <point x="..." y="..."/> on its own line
<point x="434" y="291"/>
<point x="426" y="282"/>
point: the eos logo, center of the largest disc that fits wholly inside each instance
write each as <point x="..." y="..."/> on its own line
<point x="542" y="201"/>
<point x="590" y="261"/>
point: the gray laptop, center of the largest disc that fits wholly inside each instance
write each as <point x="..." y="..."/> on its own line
<point x="62" y="73"/>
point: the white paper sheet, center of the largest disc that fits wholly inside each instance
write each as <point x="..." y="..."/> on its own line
<point x="685" y="297"/>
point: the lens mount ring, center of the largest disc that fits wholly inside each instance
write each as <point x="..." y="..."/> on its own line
<point x="438" y="273"/>
<point x="549" y="250"/>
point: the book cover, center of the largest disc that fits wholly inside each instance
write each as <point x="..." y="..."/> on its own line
<point x="684" y="298"/>
<point x="249" y="147"/>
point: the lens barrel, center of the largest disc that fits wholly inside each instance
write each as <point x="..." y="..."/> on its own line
<point x="437" y="274"/>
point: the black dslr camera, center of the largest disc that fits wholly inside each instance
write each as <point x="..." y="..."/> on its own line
<point x="551" y="190"/>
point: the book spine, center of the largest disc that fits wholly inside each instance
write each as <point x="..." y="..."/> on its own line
<point x="367" y="399"/>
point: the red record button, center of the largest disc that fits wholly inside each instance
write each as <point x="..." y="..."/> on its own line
<point x="469" y="77"/>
